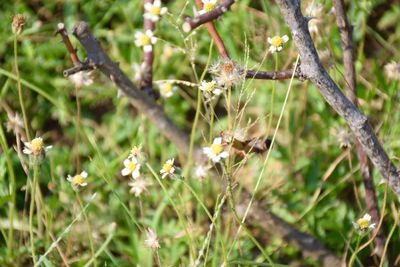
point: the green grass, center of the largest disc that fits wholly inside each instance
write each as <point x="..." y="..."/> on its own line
<point x="306" y="179"/>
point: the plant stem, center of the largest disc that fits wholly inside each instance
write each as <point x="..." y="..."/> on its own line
<point x="32" y="209"/>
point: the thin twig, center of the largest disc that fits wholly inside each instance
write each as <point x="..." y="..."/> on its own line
<point x="350" y="78"/>
<point x="98" y="58"/>
<point x="192" y="23"/>
<point x="314" y="71"/>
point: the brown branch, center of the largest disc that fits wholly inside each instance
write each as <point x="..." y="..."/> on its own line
<point x="192" y="23"/>
<point x="146" y="82"/>
<point x="71" y="50"/>
<point x="274" y="75"/>
<point x="99" y="59"/>
<point x="350" y="78"/>
<point x="314" y="71"/>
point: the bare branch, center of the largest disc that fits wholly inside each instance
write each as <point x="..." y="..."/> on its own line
<point x="350" y="78"/>
<point x="274" y="75"/>
<point x="192" y="23"/>
<point x="71" y="50"/>
<point x="314" y="71"/>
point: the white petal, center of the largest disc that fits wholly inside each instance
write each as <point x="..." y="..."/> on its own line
<point x="149" y="33"/>
<point x="147" y="6"/>
<point x="138" y="43"/>
<point x="217" y="141"/>
<point x="126" y="162"/>
<point x="154" y="19"/>
<point x="163" y="10"/>
<point x="207" y="150"/>
<point x="153" y="40"/>
<point x="147" y="48"/>
<point x="27" y="151"/>
<point x="279" y="48"/>
<point x="162" y="171"/>
<point x="83" y="184"/>
<point x="269" y="40"/>
<point x="48" y="148"/>
<point x="216" y="158"/>
<point x="69" y="178"/>
<point x="372" y="226"/>
<point x="367" y="217"/>
<point x="147" y="15"/>
<point x="285" y="38"/>
<point x="224" y="154"/>
<point x="125" y="172"/>
<point x="138" y="35"/>
<point x="135" y="174"/>
<point x="217" y="91"/>
<point x="84" y="174"/>
<point x="157" y="3"/>
<point x="172" y="170"/>
<point x="272" y="49"/>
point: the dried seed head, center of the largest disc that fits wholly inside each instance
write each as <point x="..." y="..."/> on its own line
<point x="226" y="73"/>
<point x="392" y="71"/>
<point x="18" y="23"/>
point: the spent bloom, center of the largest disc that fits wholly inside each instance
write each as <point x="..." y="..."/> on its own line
<point x="216" y="151"/>
<point x="138" y="186"/>
<point x="344" y="138"/>
<point x="316" y="13"/>
<point x="145" y="40"/>
<point x="135" y="152"/>
<point x="209" y="89"/>
<point x="151" y="240"/>
<point x="14" y="123"/>
<point x="81" y="78"/>
<point x="277" y="42"/>
<point x="18" y="23"/>
<point x="167" y="89"/>
<point x="208" y="5"/>
<point x="364" y="223"/>
<point x="131" y="167"/>
<point x="168" y="168"/>
<point x="200" y="171"/>
<point x="226" y="73"/>
<point x="392" y="71"/>
<point x="153" y="11"/>
<point x="35" y="147"/>
<point x="78" y="180"/>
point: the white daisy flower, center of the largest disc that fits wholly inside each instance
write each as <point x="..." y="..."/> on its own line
<point x="168" y="168"/>
<point x="132" y="167"/>
<point x="209" y="89"/>
<point x="154" y="11"/>
<point x="145" y="40"/>
<point x="364" y="223"/>
<point x="138" y="186"/>
<point x="151" y="240"/>
<point x="216" y="151"/>
<point x="277" y="42"/>
<point x="35" y="147"/>
<point x="167" y="89"/>
<point x="78" y="180"/>
<point x="208" y="5"/>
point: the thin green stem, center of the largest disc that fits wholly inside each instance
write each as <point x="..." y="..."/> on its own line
<point x="21" y="101"/>
<point x="32" y="209"/>
<point x="89" y="228"/>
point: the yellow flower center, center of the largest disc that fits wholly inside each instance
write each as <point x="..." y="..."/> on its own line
<point x="36" y="145"/>
<point x="209" y="86"/>
<point x="166" y="88"/>
<point x="363" y="223"/>
<point x="216" y="148"/>
<point x="277" y="41"/>
<point x="131" y="166"/>
<point x="144" y="39"/>
<point x="167" y="167"/>
<point x="207" y="7"/>
<point x="78" y="180"/>
<point x="155" y="10"/>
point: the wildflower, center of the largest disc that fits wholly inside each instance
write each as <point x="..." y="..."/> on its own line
<point x="167" y="53"/>
<point x="277" y="42"/>
<point x="154" y="11"/>
<point x="226" y="73"/>
<point x="14" y="123"/>
<point x="392" y="71"/>
<point x="138" y="186"/>
<point x="18" y="23"/>
<point x="168" y="168"/>
<point x="167" y="89"/>
<point x="151" y="240"/>
<point x="81" y="78"/>
<point x="78" y="180"/>
<point x="209" y="89"/>
<point x="364" y="223"/>
<point x="315" y="12"/>
<point x="132" y="167"/>
<point x="135" y="152"/>
<point x="35" y="147"/>
<point x="208" y="5"/>
<point x="216" y="151"/>
<point x="146" y="40"/>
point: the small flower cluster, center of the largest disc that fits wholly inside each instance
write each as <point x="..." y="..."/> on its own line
<point x="364" y="224"/>
<point x="132" y="168"/>
<point x="153" y="12"/>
